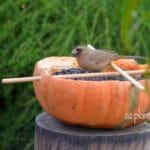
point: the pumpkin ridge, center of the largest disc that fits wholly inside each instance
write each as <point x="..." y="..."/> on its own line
<point x="44" y="87"/>
<point x="101" y="98"/>
<point x="122" y="101"/>
<point x="107" y="112"/>
<point x="119" y="98"/>
<point x="133" y="98"/>
<point x="50" y="83"/>
<point x="146" y="93"/>
<point x="84" y="99"/>
<point x="125" y="104"/>
<point x="133" y="104"/>
<point x="147" y="85"/>
<point x="48" y="93"/>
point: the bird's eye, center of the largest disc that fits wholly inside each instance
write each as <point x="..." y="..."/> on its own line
<point x="78" y="50"/>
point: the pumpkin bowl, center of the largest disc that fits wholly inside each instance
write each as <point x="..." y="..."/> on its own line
<point x="98" y="104"/>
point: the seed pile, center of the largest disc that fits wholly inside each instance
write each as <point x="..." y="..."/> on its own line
<point x="80" y="71"/>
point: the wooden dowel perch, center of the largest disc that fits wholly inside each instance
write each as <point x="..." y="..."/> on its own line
<point x="137" y="84"/>
<point x="20" y="79"/>
<point x="117" y="68"/>
<point x="128" y="77"/>
<point x="70" y="76"/>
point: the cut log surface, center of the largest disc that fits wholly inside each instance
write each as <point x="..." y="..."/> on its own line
<point x="52" y="134"/>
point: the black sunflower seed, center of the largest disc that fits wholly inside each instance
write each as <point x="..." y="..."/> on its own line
<point x="81" y="71"/>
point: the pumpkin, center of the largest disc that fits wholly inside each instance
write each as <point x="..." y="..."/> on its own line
<point x="97" y="104"/>
<point x="126" y="64"/>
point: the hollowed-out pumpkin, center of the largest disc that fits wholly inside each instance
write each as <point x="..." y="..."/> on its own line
<point x="100" y="104"/>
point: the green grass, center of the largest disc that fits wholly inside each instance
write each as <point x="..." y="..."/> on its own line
<point x="31" y="30"/>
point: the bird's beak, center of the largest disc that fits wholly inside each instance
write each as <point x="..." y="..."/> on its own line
<point x="74" y="52"/>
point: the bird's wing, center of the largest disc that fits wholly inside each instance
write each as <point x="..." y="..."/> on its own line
<point x="109" y="51"/>
<point x="104" y="56"/>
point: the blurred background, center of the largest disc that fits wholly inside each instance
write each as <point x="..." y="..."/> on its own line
<point x="31" y="30"/>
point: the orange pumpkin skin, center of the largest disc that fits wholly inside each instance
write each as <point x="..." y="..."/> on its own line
<point x="99" y="104"/>
<point x="126" y="64"/>
<point x="50" y="64"/>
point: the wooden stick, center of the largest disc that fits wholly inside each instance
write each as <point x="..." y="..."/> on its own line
<point x="22" y="79"/>
<point x="70" y="76"/>
<point x="125" y="74"/>
<point x="128" y="77"/>
<point x="99" y="74"/>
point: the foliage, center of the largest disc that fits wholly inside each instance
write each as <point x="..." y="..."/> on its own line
<point x="31" y="30"/>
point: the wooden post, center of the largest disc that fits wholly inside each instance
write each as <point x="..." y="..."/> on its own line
<point x="51" y="134"/>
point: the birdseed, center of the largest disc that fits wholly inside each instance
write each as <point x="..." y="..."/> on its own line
<point x="81" y="71"/>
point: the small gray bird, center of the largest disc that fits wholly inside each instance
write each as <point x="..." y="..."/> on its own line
<point x="95" y="60"/>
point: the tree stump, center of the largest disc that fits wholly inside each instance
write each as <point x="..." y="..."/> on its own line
<point x="52" y="134"/>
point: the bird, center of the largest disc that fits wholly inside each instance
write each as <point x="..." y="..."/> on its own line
<point x="94" y="59"/>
